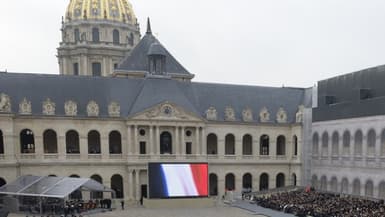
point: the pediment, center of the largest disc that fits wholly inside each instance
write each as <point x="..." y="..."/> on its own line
<point x="166" y="111"/>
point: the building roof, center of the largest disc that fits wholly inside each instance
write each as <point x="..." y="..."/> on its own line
<point x="137" y="60"/>
<point x="137" y="94"/>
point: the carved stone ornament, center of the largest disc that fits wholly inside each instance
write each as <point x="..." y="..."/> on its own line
<point x="247" y="115"/>
<point x="49" y="107"/>
<point x="5" y="103"/>
<point x="25" y="107"/>
<point x="299" y="114"/>
<point x="70" y="108"/>
<point x="92" y="109"/>
<point x="229" y="114"/>
<point x="264" y="115"/>
<point x="281" y="116"/>
<point x="211" y="114"/>
<point x="114" y="109"/>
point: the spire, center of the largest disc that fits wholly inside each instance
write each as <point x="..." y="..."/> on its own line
<point x="148" y="27"/>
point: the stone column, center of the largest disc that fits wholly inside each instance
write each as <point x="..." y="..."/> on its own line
<point x="238" y="146"/>
<point x="203" y="141"/>
<point x="39" y="146"/>
<point x="135" y="144"/>
<point x="221" y="146"/>
<point x="130" y="184"/>
<point x="177" y="142"/>
<point x="151" y="142"/>
<point x="129" y="141"/>
<point x="137" y="184"/>
<point x="62" y="150"/>
<point x="197" y="145"/>
<point x="157" y="142"/>
<point x="273" y="147"/>
<point x="104" y="146"/>
<point x="183" y="142"/>
<point x="83" y="147"/>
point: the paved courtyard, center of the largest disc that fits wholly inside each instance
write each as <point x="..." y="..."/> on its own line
<point x="219" y="211"/>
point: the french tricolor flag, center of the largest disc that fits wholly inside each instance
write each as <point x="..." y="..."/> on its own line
<point x="185" y="179"/>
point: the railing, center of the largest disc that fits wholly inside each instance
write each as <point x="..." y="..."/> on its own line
<point x="116" y="156"/>
<point x="51" y="156"/>
<point x="95" y="156"/>
<point x="73" y="156"/>
<point x="28" y="156"/>
<point x="281" y="157"/>
<point x="230" y="157"/>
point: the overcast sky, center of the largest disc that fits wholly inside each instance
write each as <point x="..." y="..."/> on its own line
<point x="257" y="42"/>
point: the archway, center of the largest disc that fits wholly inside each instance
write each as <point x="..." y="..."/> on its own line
<point x="264" y="182"/>
<point x="358" y="143"/>
<point x="345" y="186"/>
<point x="356" y="187"/>
<point x="381" y="190"/>
<point x="335" y="144"/>
<point x="369" y="188"/>
<point x="212" y="144"/>
<point x="117" y="185"/>
<point x="281" y="145"/>
<point x="50" y="142"/>
<point x="165" y="143"/>
<point x="94" y="142"/>
<point x="325" y="144"/>
<point x="72" y="142"/>
<point x="314" y="181"/>
<point x="230" y="182"/>
<point x="213" y="183"/>
<point x="334" y="184"/>
<point x="2" y="182"/>
<point x="323" y="183"/>
<point x="1" y="143"/>
<point x="264" y="145"/>
<point x="247" y="146"/>
<point x="315" y="147"/>
<point x="280" y="180"/>
<point x="97" y="195"/>
<point x="229" y="144"/>
<point x="295" y="148"/>
<point x="247" y="181"/>
<point x="115" y="142"/>
<point x="27" y="141"/>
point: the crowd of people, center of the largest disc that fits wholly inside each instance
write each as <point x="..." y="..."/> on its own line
<point x="319" y="204"/>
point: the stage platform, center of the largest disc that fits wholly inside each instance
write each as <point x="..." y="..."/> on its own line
<point x="179" y="203"/>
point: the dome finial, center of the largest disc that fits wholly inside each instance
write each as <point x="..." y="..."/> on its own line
<point x="149" y="31"/>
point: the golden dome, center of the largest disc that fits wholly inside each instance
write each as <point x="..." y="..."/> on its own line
<point x="110" y="10"/>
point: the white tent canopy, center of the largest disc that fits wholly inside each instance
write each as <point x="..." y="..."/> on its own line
<point x="51" y="187"/>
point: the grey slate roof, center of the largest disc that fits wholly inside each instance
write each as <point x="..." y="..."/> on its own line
<point x="136" y="95"/>
<point x="137" y="61"/>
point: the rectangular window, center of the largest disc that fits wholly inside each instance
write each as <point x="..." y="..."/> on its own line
<point x="188" y="148"/>
<point x="142" y="147"/>
<point x="76" y="68"/>
<point x="96" y="69"/>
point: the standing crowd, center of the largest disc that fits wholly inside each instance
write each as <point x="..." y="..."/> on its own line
<point x="319" y="204"/>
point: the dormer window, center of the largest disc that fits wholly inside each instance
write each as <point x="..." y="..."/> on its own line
<point x="157" y="59"/>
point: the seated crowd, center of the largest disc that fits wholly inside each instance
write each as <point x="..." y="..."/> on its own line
<point x="318" y="204"/>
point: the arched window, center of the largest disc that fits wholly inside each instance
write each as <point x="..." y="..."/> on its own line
<point x="315" y="144"/>
<point x="247" y="182"/>
<point x="165" y="143"/>
<point x="27" y="141"/>
<point x="381" y="190"/>
<point x="264" y="182"/>
<point x="213" y="183"/>
<point x="295" y="147"/>
<point x="76" y="35"/>
<point x="345" y="186"/>
<point x="371" y="142"/>
<point x="280" y="181"/>
<point x="95" y="35"/>
<point x="281" y="145"/>
<point x="325" y="144"/>
<point x="346" y="143"/>
<point x="116" y="36"/>
<point x="358" y="143"/>
<point x="2" y="182"/>
<point x="247" y="145"/>
<point x="50" y="142"/>
<point x="335" y="144"/>
<point x="97" y="194"/>
<point x="314" y="181"/>
<point x="212" y="144"/>
<point x="264" y="145"/>
<point x="72" y="142"/>
<point x="383" y="143"/>
<point x="94" y="142"/>
<point x="369" y="188"/>
<point x="1" y="142"/>
<point x="294" y="179"/>
<point x="117" y="185"/>
<point x="356" y="187"/>
<point x="115" y="142"/>
<point x="324" y="183"/>
<point x="230" y="182"/>
<point x="229" y="144"/>
<point x="334" y="184"/>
